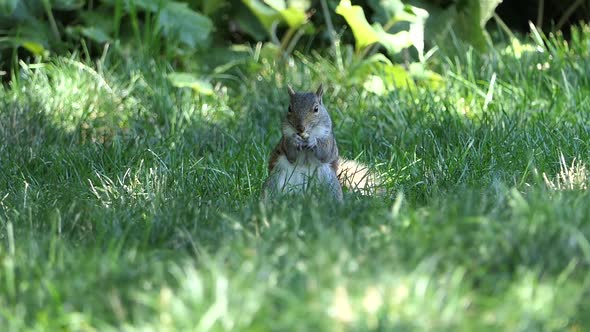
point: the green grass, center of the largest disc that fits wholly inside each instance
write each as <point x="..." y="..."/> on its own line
<point x="127" y="204"/>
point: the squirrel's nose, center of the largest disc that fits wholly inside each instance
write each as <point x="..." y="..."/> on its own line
<point x="300" y="128"/>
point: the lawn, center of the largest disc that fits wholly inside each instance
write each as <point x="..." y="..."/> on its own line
<point x="127" y="204"/>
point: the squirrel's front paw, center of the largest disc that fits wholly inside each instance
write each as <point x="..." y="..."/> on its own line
<point x="311" y="143"/>
<point x="298" y="142"/>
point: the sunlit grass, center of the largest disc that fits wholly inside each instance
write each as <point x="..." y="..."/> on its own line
<point x="128" y="204"/>
<point x="570" y="177"/>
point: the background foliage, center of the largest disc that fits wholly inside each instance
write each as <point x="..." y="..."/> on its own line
<point x="173" y="29"/>
<point x="207" y="39"/>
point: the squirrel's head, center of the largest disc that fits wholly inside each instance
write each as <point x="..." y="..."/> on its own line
<point x="306" y="114"/>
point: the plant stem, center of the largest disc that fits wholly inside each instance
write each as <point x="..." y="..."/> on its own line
<point x="567" y="14"/>
<point x="503" y="26"/>
<point x="332" y="34"/>
<point x="286" y="38"/>
<point x="52" y="22"/>
<point x="540" y="12"/>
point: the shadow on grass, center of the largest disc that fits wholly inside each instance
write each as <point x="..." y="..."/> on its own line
<point x="101" y="151"/>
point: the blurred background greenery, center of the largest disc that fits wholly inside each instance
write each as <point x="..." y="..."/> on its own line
<point x="209" y="41"/>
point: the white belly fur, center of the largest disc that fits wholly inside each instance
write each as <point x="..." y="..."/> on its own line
<point x="296" y="177"/>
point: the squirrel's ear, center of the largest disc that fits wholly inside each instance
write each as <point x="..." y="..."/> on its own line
<point x="291" y="91"/>
<point x="320" y="92"/>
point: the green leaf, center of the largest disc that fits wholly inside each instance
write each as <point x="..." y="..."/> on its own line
<point x="177" y="20"/>
<point x="250" y="24"/>
<point x="364" y="34"/>
<point x="273" y="12"/>
<point x="468" y="24"/>
<point x="293" y="16"/>
<point x="394" y="43"/>
<point x="67" y="4"/>
<point x="417" y="27"/>
<point x="35" y="31"/>
<point x="152" y="6"/>
<point x="28" y="44"/>
<point x="466" y="19"/>
<point x="96" y="34"/>
<point x="97" y="25"/>
<point x="487" y="9"/>
<point x="33" y="47"/>
<point x="265" y="14"/>
<point x="210" y="7"/>
<point x="395" y="76"/>
<point x="223" y="59"/>
<point x="7" y="7"/>
<point x="187" y="80"/>
<point x="375" y="84"/>
<point x="425" y="77"/>
<point x="385" y="9"/>
<point x="378" y="75"/>
<point x="19" y="14"/>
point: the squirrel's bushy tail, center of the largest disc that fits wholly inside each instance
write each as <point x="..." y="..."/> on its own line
<point x="359" y="178"/>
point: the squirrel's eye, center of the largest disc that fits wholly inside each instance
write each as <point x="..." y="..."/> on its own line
<point x="289" y="109"/>
<point x="316" y="109"/>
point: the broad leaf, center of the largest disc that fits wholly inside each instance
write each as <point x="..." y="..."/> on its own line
<point x="417" y="27"/>
<point x="187" y="80"/>
<point x="28" y="44"/>
<point x="250" y="24"/>
<point x="7" y="7"/>
<point x="265" y="14"/>
<point x="98" y="18"/>
<point x="96" y="34"/>
<point x="424" y="76"/>
<point x="33" y="47"/>
<point x="209" y="7"/>
<point x="37" y="32"/>
<point x="177" y="20"/>
<point x="487" y="9"/>
<point x="274" y="12"/>
<point x="378" y="75"/>
<point x="294" y="16"/>
<point x="394" y="43"/>
<point x="363" y="32"/>
<point x="67" y="4"/>
<point x="152" y="6"/>
<point x="466" y="19"/>
<point x="384" y="10"/>
<point x="20" y="13"/>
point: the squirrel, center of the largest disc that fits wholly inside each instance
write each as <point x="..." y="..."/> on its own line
<point x="307" y="152"/>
